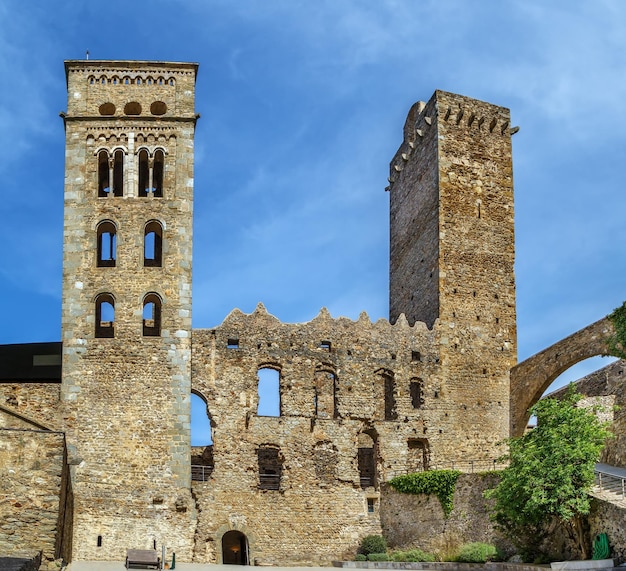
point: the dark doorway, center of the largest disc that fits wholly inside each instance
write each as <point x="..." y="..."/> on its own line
<point x="234" y="548"/>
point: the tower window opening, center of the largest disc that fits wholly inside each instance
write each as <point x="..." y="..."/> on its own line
<point x="232" y="343"/>
<point x="416" y="356"/>
<point x="118" y="173"/>
<point x="157" y="173"/>
<point x="153" y="245"/>
<point x="371" y="505"/>
<point x="107" y="244"/>
<point x="105" y="316"/>
<point x="99" y="541"/>
<point x="390" y="396"/>
<point x="144" y="173"/>
<point x="326" y="345"/>
<point x="269" y="392"/>
<point x="270" y="467"/>
<point x="151" y="173"/>
<point x="415" y="389"/>
<point x="152" y="315"/>
<point x="104" y="179"/>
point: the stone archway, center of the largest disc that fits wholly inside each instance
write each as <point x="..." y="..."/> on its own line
<point x="235" y="548"/>
<point x="531" y="378"/>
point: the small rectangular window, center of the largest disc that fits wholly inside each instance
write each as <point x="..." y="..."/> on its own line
<point x="416" y="356"/>
<point x="232" y="343"/>
<point x="371" y="505"/>
<point x="325" y="345"/>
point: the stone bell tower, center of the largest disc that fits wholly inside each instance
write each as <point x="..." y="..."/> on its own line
<point x="126" y="316"/>
<point x="452" y="254"/>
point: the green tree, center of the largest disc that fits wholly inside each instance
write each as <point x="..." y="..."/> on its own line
<point x="551" y="470"/>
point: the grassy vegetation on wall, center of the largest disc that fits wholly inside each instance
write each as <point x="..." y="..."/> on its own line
<point x="617" y="343"/>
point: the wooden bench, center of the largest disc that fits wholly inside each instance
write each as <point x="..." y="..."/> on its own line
<point x="142" y="558"/>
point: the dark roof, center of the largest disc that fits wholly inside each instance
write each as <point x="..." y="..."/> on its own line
<point x="31" y="362"/>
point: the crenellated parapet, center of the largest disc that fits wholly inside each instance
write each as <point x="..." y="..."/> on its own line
<point x="462" y="112"/>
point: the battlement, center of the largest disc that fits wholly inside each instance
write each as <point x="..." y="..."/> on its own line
<point x="475" y="117"/>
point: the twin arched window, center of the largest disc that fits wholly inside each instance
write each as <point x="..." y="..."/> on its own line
<point x="111" y="173"/>
<point x="105" y="315"/>
<point x="151" y="173"/>
<point x="107" y="244"/>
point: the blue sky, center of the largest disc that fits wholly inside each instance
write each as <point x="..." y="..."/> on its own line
<point x="302" y="106"/>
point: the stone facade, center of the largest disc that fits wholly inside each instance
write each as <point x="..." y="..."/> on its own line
<point x="33" y="506"/>
<point x="417" y="521"/>
<point x="359" y="402"/>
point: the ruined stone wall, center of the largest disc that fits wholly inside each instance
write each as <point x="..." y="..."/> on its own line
<point x="32" y="507"/>
<point x="417" y="521"/>
<point x="126" y="393"/>
<point x="38" y="402"/>
<point x="370" y="400"/>
<point x="607" y="388"/>
<point x="609" y="518"/>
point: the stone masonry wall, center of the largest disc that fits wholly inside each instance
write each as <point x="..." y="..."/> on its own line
<point x="320" y="510"/>
<point x="31" y="488"/>
<point x="452" y="254"/>
<point x="36" y="401"/>
<point x="607" y="388"/>
<point x="417" y="521"/>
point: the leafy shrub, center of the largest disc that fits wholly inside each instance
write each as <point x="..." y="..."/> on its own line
<point x="373" y="544"/>
<point x="378" y="557"/>
<point x="477" y="553"/>
<point x="360" y="557"/>
<point x="412" y="555"/>
<point x="438" y="482"/>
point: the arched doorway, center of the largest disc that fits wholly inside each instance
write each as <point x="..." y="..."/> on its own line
<point x="234" y="548"/>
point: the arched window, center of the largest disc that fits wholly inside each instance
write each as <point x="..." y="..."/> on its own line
<point x="366" y="459"/>
<point x="157" y="173"/>
<point x="152" y="245"/>
<point x="324" y="404"/>
<point x="151" y="315"/>
<point x="151" y="173"/>
<point x="144" y="173"/>
<point x="107" y="244"/>
<point x="269" y="392"/>
<point x="104" y="179"/>
<point x="105" y="315"/>
<point x="118" y="173"/>
<point x="389" y="386"/>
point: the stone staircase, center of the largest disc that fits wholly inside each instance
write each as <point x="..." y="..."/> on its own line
<point x="610" y="486"/>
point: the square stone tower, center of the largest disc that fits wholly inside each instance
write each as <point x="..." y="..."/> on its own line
<point x="126" y="316"/>
<point x="452" y="253"/>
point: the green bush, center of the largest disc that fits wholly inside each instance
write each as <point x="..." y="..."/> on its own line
<point x="373" y="544"/>
<point x="477" y="553"/>
<point x="412" y="555"/>
<point x="360" y="557"/>
<point x="378" y="557"/>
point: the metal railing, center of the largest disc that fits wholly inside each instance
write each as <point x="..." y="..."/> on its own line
<point x="201" y="473"/>
<point x="610" y="483"/>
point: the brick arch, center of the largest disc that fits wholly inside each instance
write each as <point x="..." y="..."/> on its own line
<point x="531" y="378"/>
